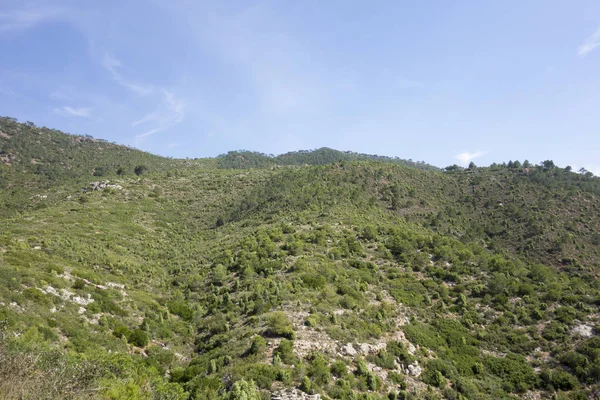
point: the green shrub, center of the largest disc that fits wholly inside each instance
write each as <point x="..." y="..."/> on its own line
<point x="558" y="379"/>
<point x="319" y="370"/>
<point x="339" y="369"/>
<point x="138" y="338"/>
<point x="243" y="390"/>
<point x="258" y="345"/>
<point x="514" y="370"/>
<point x="278" y="324"/>
<point x="285" y="352"/>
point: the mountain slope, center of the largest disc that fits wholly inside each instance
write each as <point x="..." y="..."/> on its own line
<point x="352" y="280"/>
<point x="249" y="159"/>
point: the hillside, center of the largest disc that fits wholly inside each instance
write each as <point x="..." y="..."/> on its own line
<point x="249" y="159"/>
<point x="355" y="278"/>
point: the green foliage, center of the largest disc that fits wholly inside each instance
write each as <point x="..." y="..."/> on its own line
<point x="278" y="324"/>
<point x="517" y="374"/>
<point x="138" y="338"/>
<point x="285" y="351"/>
<point x="140" y="169"/>
<point x="306" y="386"/>
<point x="243" y="390"/>
<point x="247" y="159"/>
<point x="319" y="370"/>
<point x="258" y="345"/>
<point x="339" y="369"/>
<point x="487" y="272"/>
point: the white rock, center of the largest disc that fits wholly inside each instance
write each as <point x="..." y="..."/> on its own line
<point x="364" y="348"/>
<point x="414" y="369"/>
<point x="349" y="350"/>
<point x="115" y="285"/>
<point x="411" y="348"/>
<point x="583" y="330"/>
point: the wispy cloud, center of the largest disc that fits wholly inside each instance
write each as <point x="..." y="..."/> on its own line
<point x="26" y="18"/>
<point x="139" y="138"/>
<point x="589" y="44"/>
<point x="73" y="111"/>
<point x="150" y="117"/>
<point x="175" y="105"/>
<point x="466" y="157"/>
<point x="170" y="112"/>
<point x="112" y="65"/>
<point x="169" y="108"/>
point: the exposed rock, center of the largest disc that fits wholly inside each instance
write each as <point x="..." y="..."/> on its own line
<point x="364" y="348"/>
<point x="100" y="185"/>
<point x="380" y="372"/>
<point x="583" y="330"/>
<point x="294" y="394"/>
<point x="67" y="295"/>
<point x="308" y="339"/>
<point x="348" y="350"/>
<point x="16" y="306"/>
<point x="82" y="301"/>
<point x="413" y="369"/>
<point x="411" y="348"/>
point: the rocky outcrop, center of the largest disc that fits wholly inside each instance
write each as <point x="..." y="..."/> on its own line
<point x="294" y="394"/>
<point x="348" y="350"/>
<point x="101" y="185"/>
<point x="583" y="330"/>
<point x="413" y="369"/>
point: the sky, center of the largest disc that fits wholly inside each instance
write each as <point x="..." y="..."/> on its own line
<point x="438" y="81"/>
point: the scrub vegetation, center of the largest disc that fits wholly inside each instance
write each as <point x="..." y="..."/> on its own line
<point x="125" y="275"/>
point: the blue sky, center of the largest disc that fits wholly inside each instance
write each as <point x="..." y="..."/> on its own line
<point x="441" y="81"/>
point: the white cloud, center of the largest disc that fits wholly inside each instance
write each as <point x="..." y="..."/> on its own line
<point x="145" y="119"/>
<point x="175" y="105"/>
<point x="112" y="64"/>
<point x="168" y="114"/>
<point x="589" y="44"/>
<point x="466" y="157"/>
<point x="75" y="112"/>
<point x="169" y="108"/>
<point x="139" y="138"/>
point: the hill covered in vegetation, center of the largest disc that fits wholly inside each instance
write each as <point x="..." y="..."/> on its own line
<point x="249" y="159"/>
<point x="354" y="278"/>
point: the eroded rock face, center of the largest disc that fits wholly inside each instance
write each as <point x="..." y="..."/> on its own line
<point x="294" y="394"/>
<point x="348" y="350"/>
<point x="413" y="369"/>
<point x="99" y="185"/>
<point x="366" y="348"/>
<point x="583" y="330"/>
